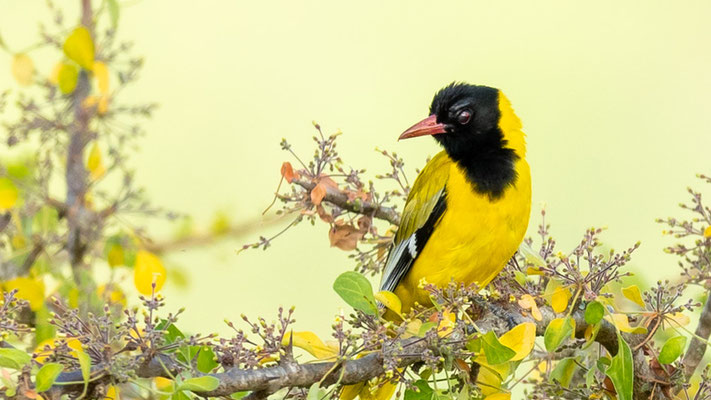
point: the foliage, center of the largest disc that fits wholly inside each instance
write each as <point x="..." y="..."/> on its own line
<point x="562" y="324"/>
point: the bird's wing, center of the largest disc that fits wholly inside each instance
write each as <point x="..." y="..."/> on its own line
<point x="424" y="206"/>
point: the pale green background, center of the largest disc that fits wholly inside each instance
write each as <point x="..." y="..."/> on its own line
<point x="614" y="97"/>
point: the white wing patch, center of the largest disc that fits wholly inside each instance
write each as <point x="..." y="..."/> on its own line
<point x="389" y="279"/>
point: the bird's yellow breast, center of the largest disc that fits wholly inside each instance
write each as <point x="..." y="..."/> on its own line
<point x="475" y="237"/>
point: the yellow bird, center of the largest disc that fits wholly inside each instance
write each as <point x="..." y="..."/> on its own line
<point x="468" y="209"/>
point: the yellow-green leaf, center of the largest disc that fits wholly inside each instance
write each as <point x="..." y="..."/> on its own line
<point x="356" y="290"/>
<point x="557" y="331"/>
<point x="632" y="293"/>
<point x="200" y="384"/>
<point x="621" y="370"/>
<point x="13" y="358"/>
<point x="310" y="342"/>
<point x="47" y="375"/>
<point x="496" y="353"/>
<point x="594" y="312"/>
<point x="520" y="339"/>
<point x="560" y="298"/>
<point x="672" y="349"/>
<point x="95" y="164"/>
<point x="8" y="194"/>
<point x="79" y="47"/>
<point x="114" y="13"/>
<point x="23" y="69"/>
<point x="101" y="73"/>
<point x="28" y="289"/>
<point x="115" y="255"/>
<point x="623" y="323"/>
<point x="389" y="300"/>
<point x="67" y="78"/>
<point x="147" y="271"/>
<point x="85" y="367"/>
<point x="563" y="371"/>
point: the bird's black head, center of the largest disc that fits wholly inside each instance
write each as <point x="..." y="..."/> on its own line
<point x="464" y="119"/>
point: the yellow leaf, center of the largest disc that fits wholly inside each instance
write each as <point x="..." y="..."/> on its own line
<point x="148" y="269"/>
<point x="95" y="165"/>
<point x="43" y="354"/>
<point x="529" y="303"/>
<point x="28" y="289"/>
<point x="534" y="271"/>
<point x="707" y="232"/>
<point x="101" y="73"/>
<point x="377" y="391"/>
<point x="8" y="194"/>
<point x="560" y="298"/>
<point x="389" y="300"/>
<point x="622" y="323"/>
<point x="23" y="69"/>
<point x="79" y="47"/>
<point x="90" y="101"/>
<point x="350" y="392"/>
<point x="310" y="342"/>
<point x="103" y="105"/>
<point x="112" y="393"/>
<point x="498" y="396"/>
<point x="115" y="256"/>
<point x="446" y="325"/>
<point x="488" y="381"/>
<point x="67" y="78"/>
<point x="632" y="293"/>
<point x="115" y="296"/>
<point x="678" y="319"/>
<point x="53" y="77"/>
<point x="520" y="339"/>
<point x="162" y="383"/>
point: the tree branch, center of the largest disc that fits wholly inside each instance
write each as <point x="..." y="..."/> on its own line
<point x="697" y="348"/>
<point x="291" y="374"/>
<point x="340" y="199"/>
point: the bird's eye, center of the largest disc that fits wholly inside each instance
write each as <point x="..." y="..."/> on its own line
<point x="464" y="116"/>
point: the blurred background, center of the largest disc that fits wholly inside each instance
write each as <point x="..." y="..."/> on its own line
<point x="614" y="98"/>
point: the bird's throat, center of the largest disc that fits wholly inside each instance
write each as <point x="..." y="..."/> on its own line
<point x="490" y="172"/>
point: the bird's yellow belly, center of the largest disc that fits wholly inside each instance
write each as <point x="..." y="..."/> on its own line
<point x="473" y="240"/>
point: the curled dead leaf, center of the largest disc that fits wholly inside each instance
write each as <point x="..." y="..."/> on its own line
<point x="345" y="236"/>
<point x="318" y="193"/>
<point x="287" y="171"/>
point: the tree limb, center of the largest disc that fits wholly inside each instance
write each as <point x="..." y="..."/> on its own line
<point x="697" y="348"/>
<point x="340" y="199"/>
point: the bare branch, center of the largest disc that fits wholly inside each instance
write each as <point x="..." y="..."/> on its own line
<point x="340" y="199"/>
<point x="697" y="348"/>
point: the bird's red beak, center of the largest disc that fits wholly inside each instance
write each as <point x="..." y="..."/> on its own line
<point x="427" y="126"/>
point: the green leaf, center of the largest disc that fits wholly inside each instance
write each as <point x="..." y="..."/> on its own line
<point x="672" y="349"/>
<point x="85" y="366"/>
<point x="200" y="384"/>
<point x="496" y="353"/>
<point x="426" y="327"/>
<point x="13" y="358"/>
<point x="557" y="331"/>
<point x="206" y="360"/>
<point x="238" y="395"/>
<point x="621" y="370"/>
<point x="594" y="312"/>
<point x="563" y="371"/>
<point x="356" y="290"/>
<point x="47" y="375"/>
<point x="180" y="395"/>
<point x="425" y="391"/>
<point x="114" y="9"/>
<point x="316" y="392"/>
<point x="79" y="47"/>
